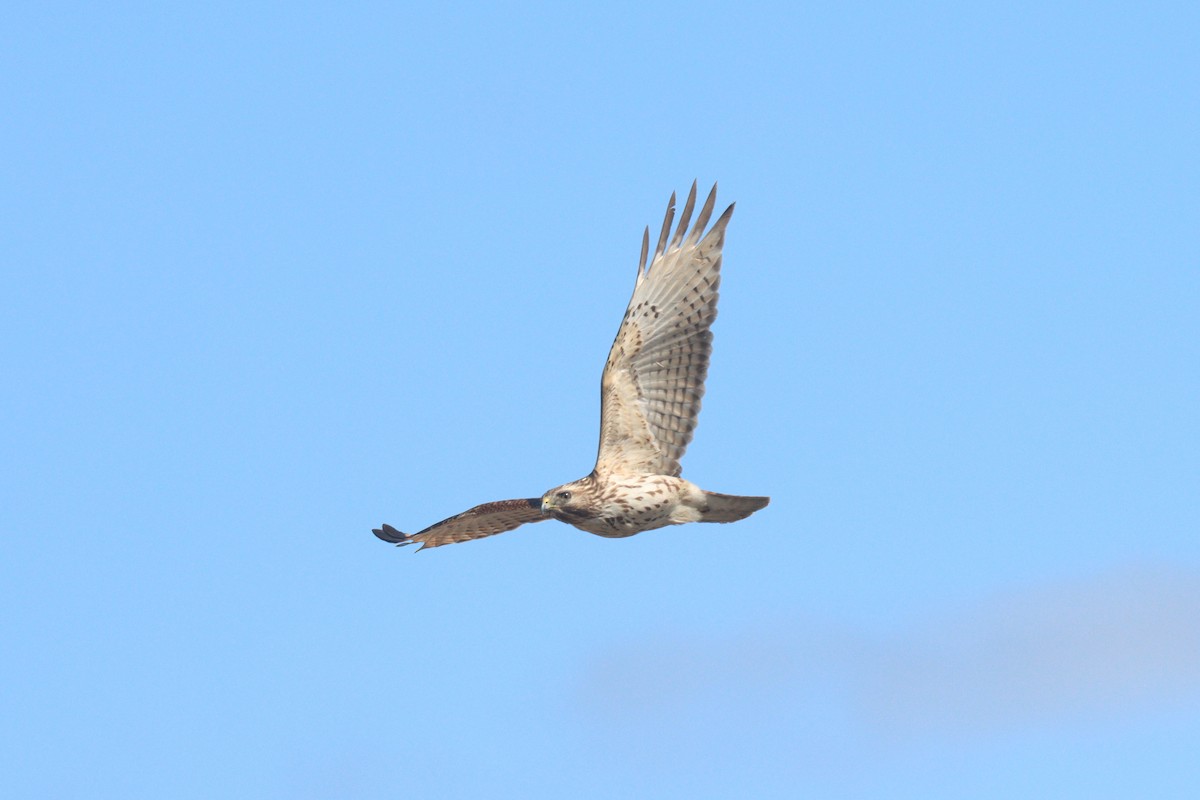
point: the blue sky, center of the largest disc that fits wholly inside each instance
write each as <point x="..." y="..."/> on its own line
<point x="275" y="274"/>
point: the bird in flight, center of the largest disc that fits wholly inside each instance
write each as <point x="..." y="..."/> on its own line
<point x="649" y="399"/>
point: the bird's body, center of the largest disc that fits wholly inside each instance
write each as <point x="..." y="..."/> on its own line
<point x="650" y="398"/>
<point x="622" y="505"/>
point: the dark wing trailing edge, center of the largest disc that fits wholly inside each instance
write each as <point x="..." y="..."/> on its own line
<point x="475" y="523"/>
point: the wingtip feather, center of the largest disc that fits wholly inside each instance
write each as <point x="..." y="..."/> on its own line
<point x="685" y="217"/>
<point x="718" y="227"/>
<point x="392" y="536"/>
<point x="705" y="215"/>
<point x="666" y="228"/>
<point x="645" y="251"/>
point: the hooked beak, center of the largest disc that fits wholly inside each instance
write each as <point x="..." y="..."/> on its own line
<point x="546" y="505"/>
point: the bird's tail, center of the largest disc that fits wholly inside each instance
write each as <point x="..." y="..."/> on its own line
<point x="730" y="507"/>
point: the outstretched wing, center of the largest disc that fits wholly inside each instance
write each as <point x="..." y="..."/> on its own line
<point x="652" y="384"/>
<point x="475" y="523"/>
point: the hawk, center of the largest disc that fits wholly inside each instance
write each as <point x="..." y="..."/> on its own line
<point x="649" y="399"/>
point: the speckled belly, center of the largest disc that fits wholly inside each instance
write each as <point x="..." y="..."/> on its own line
<point x="633" y="504"/>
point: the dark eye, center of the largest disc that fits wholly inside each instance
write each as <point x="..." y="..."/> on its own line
<point x="564" y="496"/>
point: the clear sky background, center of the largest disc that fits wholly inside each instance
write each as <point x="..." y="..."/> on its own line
<point x="277" y="273"/>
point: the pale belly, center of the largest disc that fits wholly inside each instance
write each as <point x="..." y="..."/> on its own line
<point x="643" y="503"/>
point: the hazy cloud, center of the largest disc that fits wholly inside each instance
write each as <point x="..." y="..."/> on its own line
<point x="1117" y="642"/>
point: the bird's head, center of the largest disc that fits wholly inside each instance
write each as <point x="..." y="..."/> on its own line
<point x="566" y="500"/>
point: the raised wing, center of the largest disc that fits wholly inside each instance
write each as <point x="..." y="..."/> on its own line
<point x="652" y="384"/>
<point x="475" y="523"/>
